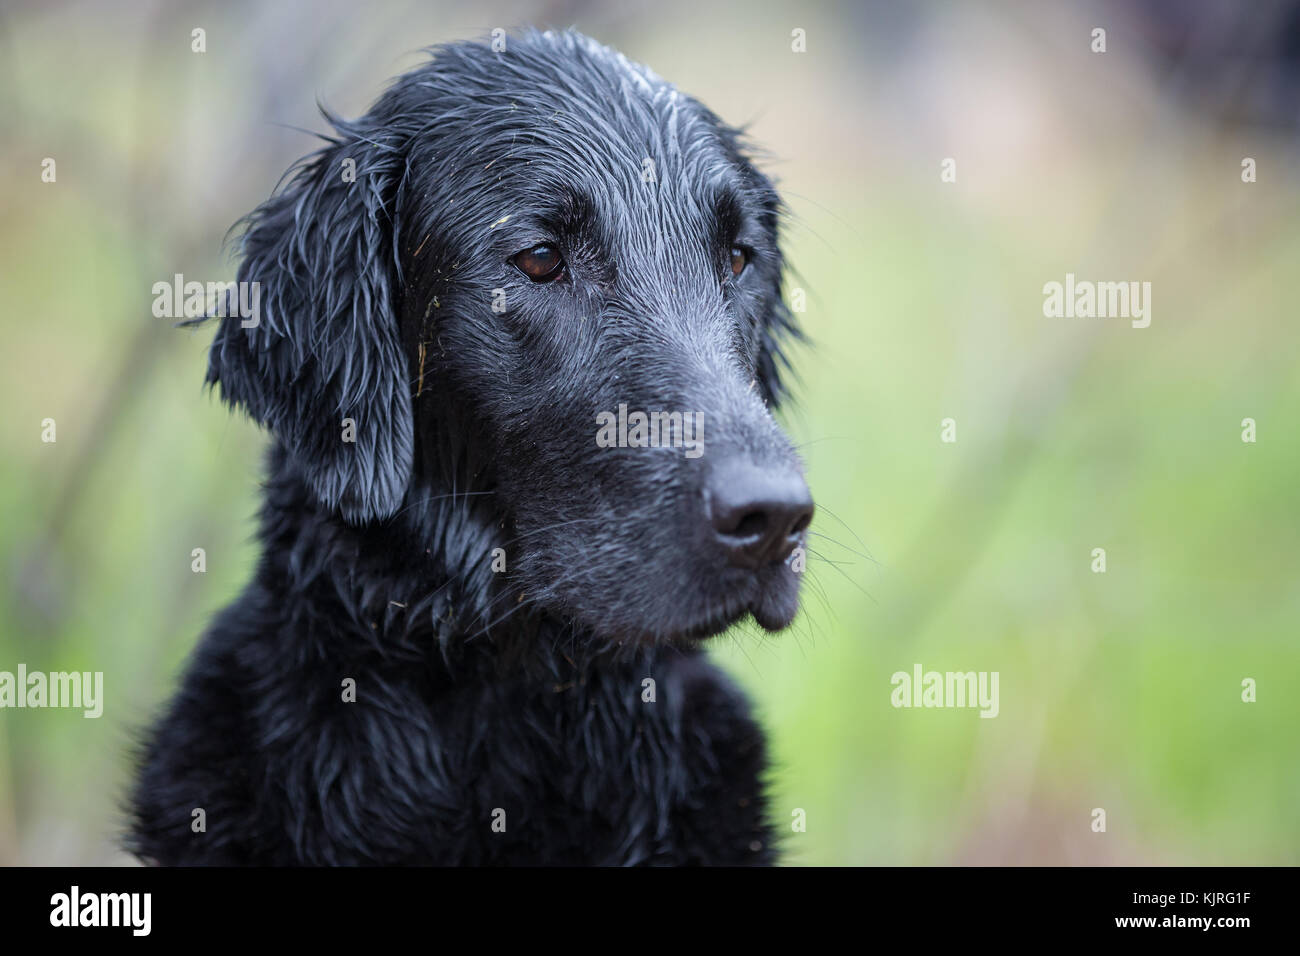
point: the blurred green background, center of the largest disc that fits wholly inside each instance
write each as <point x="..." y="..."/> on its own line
<point x="1119" y="690"/>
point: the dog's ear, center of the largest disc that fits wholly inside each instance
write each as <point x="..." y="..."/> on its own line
<point x="323" y="367"/>
<point x="778" y="328"/>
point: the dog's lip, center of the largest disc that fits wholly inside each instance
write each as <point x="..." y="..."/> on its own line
<point x="773" y="604"/>
<point x="774" y="609"/>
<point x="715" y="624"/>
<point x="772" y="613"/>
<point x="771" y="595"/>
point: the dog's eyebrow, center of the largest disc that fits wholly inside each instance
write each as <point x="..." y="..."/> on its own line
<point x="571" y="211"/>
<point x="728" y="212"/>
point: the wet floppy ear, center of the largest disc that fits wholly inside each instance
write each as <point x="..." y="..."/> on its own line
<point x="320" y="362"/>
<point x="777" y="327"/>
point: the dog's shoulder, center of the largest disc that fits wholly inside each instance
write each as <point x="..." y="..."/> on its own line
<point x="265" y="757"/>
<point x="193" y="801"/>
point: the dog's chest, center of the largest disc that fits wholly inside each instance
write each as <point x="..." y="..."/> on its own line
<point x="636" y="763"/>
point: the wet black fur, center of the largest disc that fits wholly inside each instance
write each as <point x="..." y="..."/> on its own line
<point x="479" y="692"/>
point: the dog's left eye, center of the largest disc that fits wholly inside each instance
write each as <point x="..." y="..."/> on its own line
<point x="739" y="259"/>
<point x="540" y="263"/>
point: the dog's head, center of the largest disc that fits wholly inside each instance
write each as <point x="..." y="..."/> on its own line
<point x="543" y="273"/>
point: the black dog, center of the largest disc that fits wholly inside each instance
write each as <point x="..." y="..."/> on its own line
<point x="473" y="636"/>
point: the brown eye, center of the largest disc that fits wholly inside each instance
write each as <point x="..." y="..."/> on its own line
<point x="738" y="260"/>
<point x="540" y="263"/>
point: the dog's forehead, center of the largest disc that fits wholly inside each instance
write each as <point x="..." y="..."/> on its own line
<point x="556" y="110"/>
<point x="651" y="116"/>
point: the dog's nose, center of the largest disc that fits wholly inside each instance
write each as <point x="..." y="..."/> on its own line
<point x="758" y="514"/>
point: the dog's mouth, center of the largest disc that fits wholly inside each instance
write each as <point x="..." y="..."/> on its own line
<point x="773" y="607"/>
<point x="769" y="615"/>
<point x="770" y="597"/>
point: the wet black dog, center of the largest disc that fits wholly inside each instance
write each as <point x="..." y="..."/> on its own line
<point x="519" y="341"/>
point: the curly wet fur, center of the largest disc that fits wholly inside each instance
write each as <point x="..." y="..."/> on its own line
<point x="483" y="697"/>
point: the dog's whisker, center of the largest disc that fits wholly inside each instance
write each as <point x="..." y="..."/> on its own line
<point x="827" y="560"/>
<point x="866" y="551"/>
<point x="452" y="496"/>
<point x="841" y="544"/>
<point x="835" y="565"/>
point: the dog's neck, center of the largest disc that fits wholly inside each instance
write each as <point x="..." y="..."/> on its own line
<point x="418" y="586"/>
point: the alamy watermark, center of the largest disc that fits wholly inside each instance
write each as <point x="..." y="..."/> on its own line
<point x="129" y="910"/>
<point x="626" y="429"/>
<point x="1098" y="300"/>
<point x="923" y="688"/>
<point x="179" y="299"/>
<point x="63" y="689"/>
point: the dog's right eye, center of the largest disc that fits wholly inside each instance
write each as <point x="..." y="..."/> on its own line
<point x="540" y="263"/>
